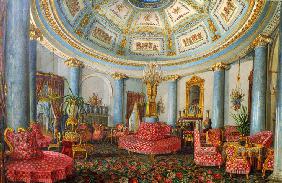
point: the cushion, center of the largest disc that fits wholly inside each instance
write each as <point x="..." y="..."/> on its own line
<point x="153" y="131"/>
<point x="24" y="145"/>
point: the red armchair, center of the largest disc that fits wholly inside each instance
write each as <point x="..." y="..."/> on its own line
<point x="67" y="148"/>
<point x="269" y="162"/>
<point x="151" y="138"/>
<point x="98" y="132"/>
<point x="231" y="134"/>
<point x="264" y="138"/>
<point x="236" y="164"/>
<point x="205" y="156"/>
<point x="27" y="163"/>
<point x="42" y="140"/>
<point x="213" y="136"/>
<point x="85" y="133"/>
<point x="120" y="130"/>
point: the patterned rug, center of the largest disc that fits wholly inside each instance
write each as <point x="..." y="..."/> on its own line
<point x="108" y="164"/>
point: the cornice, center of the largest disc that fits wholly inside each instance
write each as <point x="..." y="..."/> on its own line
<point x="119" y="76"/>
<point x="171" y="77"/>
<point x="73" y="62"/>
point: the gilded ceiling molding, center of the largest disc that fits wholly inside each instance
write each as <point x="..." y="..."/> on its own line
<point x="73" y="62"/>
<point x="262" y="40"/>
<point x="256" y="8"/>
<point x="219" y="66"/>
<point x="171" y="77"/>
<point x="35" y="33"/>
<point x="118" y="76"/>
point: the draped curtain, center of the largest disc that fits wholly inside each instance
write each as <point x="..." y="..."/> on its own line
<point x="2" y="64"/>
<point x="55" y="92"/>
<point x="251" y="78"/>
<point x="132" y="98"/>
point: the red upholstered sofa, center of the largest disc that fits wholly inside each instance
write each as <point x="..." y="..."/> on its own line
<point x="27" y="163"/>
<point x="151" y="138"/>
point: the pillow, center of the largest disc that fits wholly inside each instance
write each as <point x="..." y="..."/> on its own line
<point x="150" y="131"/>
<point x="166" y="129"/>
<point x="24" y="145"/>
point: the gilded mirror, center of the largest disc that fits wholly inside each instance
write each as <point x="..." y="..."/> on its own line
<point x="194" y="97"/>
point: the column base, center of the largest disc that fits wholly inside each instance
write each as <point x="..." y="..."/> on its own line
<point x="275" y="177"/>
<point x="151" y="119"/>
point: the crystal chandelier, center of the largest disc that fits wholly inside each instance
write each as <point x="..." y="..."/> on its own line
<point x="152" y="74"/>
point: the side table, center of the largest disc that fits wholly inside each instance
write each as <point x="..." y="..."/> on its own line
<point x="79" y="149"/>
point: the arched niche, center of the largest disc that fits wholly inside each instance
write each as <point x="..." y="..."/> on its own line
<point x="98" y="84"/>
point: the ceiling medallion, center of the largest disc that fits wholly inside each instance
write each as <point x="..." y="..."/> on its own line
<point x="150" y="4"/>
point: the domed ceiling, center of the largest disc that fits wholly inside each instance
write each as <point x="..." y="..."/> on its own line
<point x="177" y="34"/>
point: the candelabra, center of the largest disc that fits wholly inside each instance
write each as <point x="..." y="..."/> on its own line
<point x="152" y="76"/>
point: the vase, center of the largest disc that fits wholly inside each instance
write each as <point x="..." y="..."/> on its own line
<point x="106" y="110"/>
<point x="95" y="109"/>
<point x="242" y="140"/>
<point x="103" y="110"/>
<point x="207" y="121"/>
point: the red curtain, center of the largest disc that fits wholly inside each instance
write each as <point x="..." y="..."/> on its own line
<point x="55" y="86"/>
<point x="132" y="98"/>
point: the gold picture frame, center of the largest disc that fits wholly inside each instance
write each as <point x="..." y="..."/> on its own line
<point x="195" y="81"/>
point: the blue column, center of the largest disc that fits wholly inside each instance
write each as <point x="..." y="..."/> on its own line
<point x="118" y="97"/>
<point x="172" y="101"/>
<point x="75" y="80"/>
<point x="258" y="114"/>
<point x="218" y="95"/>
<point x="32" y="80"/>
<point x="17" y="74"/>
<point x="74" y="73"/>
<point x="277" y="171"/>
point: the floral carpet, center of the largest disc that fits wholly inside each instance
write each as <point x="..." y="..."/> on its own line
<point x="108" y="164"/>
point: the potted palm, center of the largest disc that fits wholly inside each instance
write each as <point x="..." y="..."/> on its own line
<point x="242" y="122"/>
<point x="73" y="106"/>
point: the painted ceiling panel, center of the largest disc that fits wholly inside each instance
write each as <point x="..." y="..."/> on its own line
<point x="130" y="33"/>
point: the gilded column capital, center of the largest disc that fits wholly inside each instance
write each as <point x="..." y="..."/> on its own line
<point x="171" y="77"/>
<point x="219" y="66"/>
<point x="73" y="62"/>
<point x="261" y="40"/>
<point x="35" y="33"/>
<point x="118" y="76"/>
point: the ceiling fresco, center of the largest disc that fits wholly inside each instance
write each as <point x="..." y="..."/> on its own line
<point x="177" y="34"/>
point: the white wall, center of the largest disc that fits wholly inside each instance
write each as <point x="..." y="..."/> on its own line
<point x="50" y="63"/>
<point x="230" y="83"/>
<point x="208" y="91"/>
<point x="134" y="85"/>
<point x="103" y="84"/>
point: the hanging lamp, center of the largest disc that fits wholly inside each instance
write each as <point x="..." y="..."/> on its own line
<point x="237" y="95"/>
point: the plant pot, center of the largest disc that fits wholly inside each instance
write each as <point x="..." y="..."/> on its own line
<point x="242" y="140"/>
